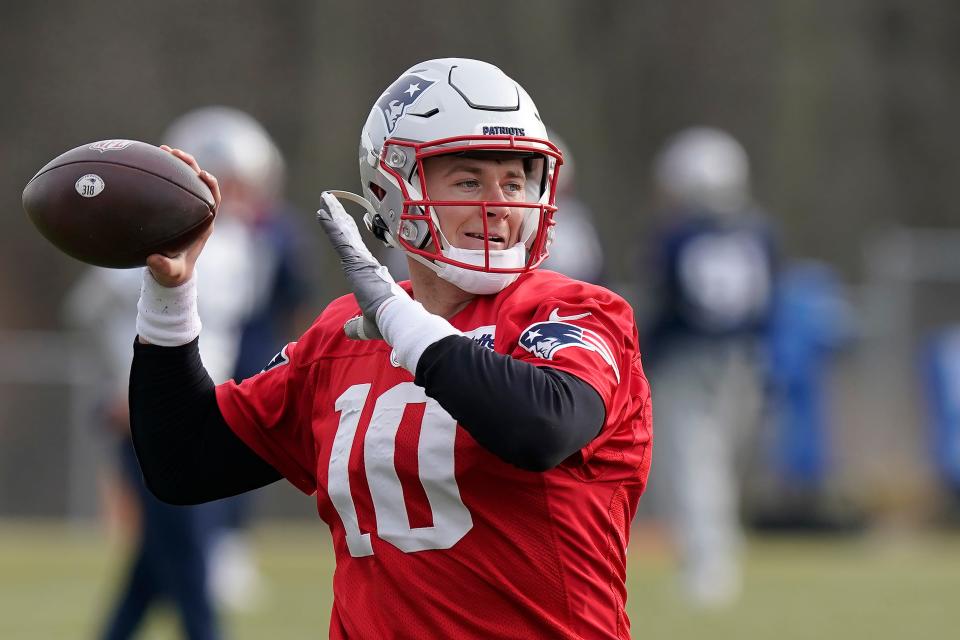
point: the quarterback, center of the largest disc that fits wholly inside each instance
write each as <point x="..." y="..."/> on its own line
<point x="477" y="438"/>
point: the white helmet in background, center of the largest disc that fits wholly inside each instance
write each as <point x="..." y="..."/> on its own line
<point x="704" y="168"/>
<point x="565" y="183"/>
<point x="455" y="106"/>
<point x="231" y="145"/>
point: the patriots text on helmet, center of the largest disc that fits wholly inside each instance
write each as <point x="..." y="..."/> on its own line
<point x="503" y="131"/>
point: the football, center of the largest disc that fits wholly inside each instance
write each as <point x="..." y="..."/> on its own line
<point x="113" y="203"/>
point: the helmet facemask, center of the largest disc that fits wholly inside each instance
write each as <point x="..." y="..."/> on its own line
<point x="417" y="230"/>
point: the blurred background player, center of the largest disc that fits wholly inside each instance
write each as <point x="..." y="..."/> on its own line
<point x="940" y="365"/>
<point x="250" y="169"/>
<point x="169" y="562"/>
<point x="713" y="271"/>
<point x="193" y="556"/>
<point x="812" y="322"/>
<point x="576" y="250"/>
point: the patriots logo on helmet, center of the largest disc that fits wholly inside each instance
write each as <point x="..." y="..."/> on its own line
<point x="545" y="339"/>
<point x="279" y="359"/>
<point x="401" y="94"/>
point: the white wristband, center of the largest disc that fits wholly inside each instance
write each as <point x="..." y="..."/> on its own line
<point x="410" y="329"/>
<point x="167" y="316"/>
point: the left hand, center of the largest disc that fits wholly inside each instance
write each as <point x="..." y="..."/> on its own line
<point x="371" y="282"/>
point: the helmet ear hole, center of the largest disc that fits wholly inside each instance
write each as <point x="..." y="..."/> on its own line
<point x="378" y="191"/>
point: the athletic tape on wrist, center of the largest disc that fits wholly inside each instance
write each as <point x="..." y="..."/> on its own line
<point x="410" y="329"/>
<point x="167" y="316"/>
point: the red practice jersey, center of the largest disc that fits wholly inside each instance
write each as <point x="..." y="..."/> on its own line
<point x="436" y="537"/>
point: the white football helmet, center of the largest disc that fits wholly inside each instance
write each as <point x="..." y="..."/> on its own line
<point x="705" y="168"/>
<point x="455" y="106"/>
<point x="230" y="144"/>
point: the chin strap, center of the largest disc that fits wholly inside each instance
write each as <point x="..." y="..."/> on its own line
<point x="471" y="280"/>
<point x="430" y="264"/>
<point x="353" y="197"/>
<point x="370" y="212"/>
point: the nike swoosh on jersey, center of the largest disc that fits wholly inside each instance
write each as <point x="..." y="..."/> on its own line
<point x="556" y="317"/>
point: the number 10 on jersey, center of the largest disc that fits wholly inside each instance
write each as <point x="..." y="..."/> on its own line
<point x="451" y="518"/>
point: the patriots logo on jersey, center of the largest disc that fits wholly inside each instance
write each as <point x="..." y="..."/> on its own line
<point x="401" y="94"/>
<point x="545" y="339"/>
<point x="279" y="359"/>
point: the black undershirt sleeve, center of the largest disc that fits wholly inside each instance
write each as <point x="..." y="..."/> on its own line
<point x="532" y="417"/>
<point x="187" y="452"/>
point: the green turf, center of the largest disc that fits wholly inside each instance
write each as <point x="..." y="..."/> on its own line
<point x="55" y="583"/>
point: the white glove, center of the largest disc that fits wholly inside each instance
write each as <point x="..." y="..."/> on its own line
<point x="389" y="313"/>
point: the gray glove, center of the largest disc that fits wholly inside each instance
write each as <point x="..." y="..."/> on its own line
<point x="371" y="282"/>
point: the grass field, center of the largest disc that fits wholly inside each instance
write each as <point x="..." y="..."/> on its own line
<point x="55" y="583"/>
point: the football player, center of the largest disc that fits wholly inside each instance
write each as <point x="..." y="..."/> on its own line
<point x="477" y="438"/>
<point x="714" y="263"/>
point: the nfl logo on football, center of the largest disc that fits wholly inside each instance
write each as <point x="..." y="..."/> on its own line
<point x="110" y="145"/>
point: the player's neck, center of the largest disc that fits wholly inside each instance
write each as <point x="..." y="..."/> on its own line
<point x="436" y="294"/>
